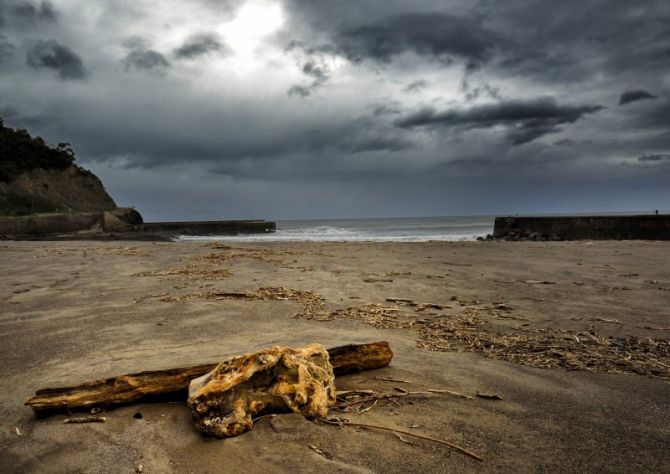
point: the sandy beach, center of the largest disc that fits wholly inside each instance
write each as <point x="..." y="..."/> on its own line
<point x="573" y="336"/>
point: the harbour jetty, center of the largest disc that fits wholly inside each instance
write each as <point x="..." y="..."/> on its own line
<point x="119" y="223"/>
<point x="210" y="227"/>
<point x="603" y="227"/>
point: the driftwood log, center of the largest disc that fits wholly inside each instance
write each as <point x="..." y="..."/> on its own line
<point x="172" y="384"/>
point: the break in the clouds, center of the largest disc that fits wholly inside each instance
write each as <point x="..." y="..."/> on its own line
<point x="304" y="108"/>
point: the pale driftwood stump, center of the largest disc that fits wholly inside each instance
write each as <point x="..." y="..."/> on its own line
<point x="224" y="401"/>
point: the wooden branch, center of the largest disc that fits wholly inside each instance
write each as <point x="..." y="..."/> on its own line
<point x="408" y="433"/>
<point x="172" y="384"/>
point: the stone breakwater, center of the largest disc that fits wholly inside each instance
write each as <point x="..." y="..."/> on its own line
<point x="638" y="227"/>
<point x="123" y="223"/>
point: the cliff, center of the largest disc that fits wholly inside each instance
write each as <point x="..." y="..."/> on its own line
<point x="35" y="177"/>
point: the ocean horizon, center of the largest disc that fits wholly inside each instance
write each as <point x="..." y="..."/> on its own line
<point x="403" y="229"/>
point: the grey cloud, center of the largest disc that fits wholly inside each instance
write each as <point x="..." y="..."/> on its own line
<point x="6" y="48"/>
<point x="633" y="96"/>
<point x="584" y="52"/>
<point x="27" y="11"/>
<point x="135" y="42"/>
<point x="145" y="59"/>
<point x="356" y="136"/>
<point x="654" y="158"/>
<point x="416" y="86"/>
<point x="52" y="55"/>
<point x="199" y="45"/>
<point x="433" y="35"/>
<point x="319" y="74"/>
<point x="524" y="120"/>
<point x="392" y="108"/>
<point x="473" y="90"/>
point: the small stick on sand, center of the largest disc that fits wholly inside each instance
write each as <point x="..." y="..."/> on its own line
<point x="397" y="432"/>
<point x="86" y="419"/>
<point x="385" y="380"/>
<point x="450" y="392"/>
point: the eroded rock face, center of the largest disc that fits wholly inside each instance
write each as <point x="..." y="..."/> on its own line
<point x="280" y="379"/>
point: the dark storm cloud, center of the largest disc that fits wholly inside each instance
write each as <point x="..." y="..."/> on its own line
<point x="199" y="45"/>
<point x="44" y="11"/>
<point x="654" y="158"/>
<point x="360" y="66"/>
<point x="52" y="55"/>
<point x="633" y="96"/>
<point x="416" y="86"/>
<point x="6" y="48"/>
<point x="146" y="59"/>
<point x="362" y="134"/>
<point x="433" y="35"/>
<point x="524" y="121"/>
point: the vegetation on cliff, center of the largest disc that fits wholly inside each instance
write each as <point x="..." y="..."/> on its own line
<point x="36" y="177"/>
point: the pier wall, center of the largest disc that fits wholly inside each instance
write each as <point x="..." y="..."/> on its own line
<point x="38" y="225"/>
<point x="644" y="227"/>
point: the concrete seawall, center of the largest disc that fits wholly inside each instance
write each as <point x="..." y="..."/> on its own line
<point x="39" y="225"/>
<point x="122" y="223"/>
<point x="638" y="227"/>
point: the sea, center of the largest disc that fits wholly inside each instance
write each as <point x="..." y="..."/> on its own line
<point x="405" y="229"/>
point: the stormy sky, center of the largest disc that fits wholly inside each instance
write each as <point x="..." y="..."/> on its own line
<point x="278" y="109"/>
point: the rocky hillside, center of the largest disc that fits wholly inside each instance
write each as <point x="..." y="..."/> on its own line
<point x="35" y="177"/>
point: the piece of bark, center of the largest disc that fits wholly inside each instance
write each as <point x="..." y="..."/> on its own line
<point x="172" y="384"/>
<point x="225" y="401"/>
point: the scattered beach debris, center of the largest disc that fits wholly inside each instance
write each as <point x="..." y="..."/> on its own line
<point x="384" y="379"/>
<point x="192" y="272"/>
<point x="139" y="468"/>
<point x="403" y="439"/>
<point x="224" y="401"/>
<point x="86" y="419"/>
<point x="535" y="347"/>
<point x="450" y="392"/>
<point x="468" y="331"/>
<point x="319" y="451"/>
<point x="312" y="302"/>
<point x="387" y="274"/>
<point x="377" y="280"/>
<point x="418" y="306"/>
<point x="489" y="396"/>
<point x="538" y="282"/>
<point x="15" y="430"/>
<point x="606" y="320"/>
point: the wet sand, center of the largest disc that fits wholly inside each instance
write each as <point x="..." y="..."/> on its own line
<point x="77" y="311"/>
